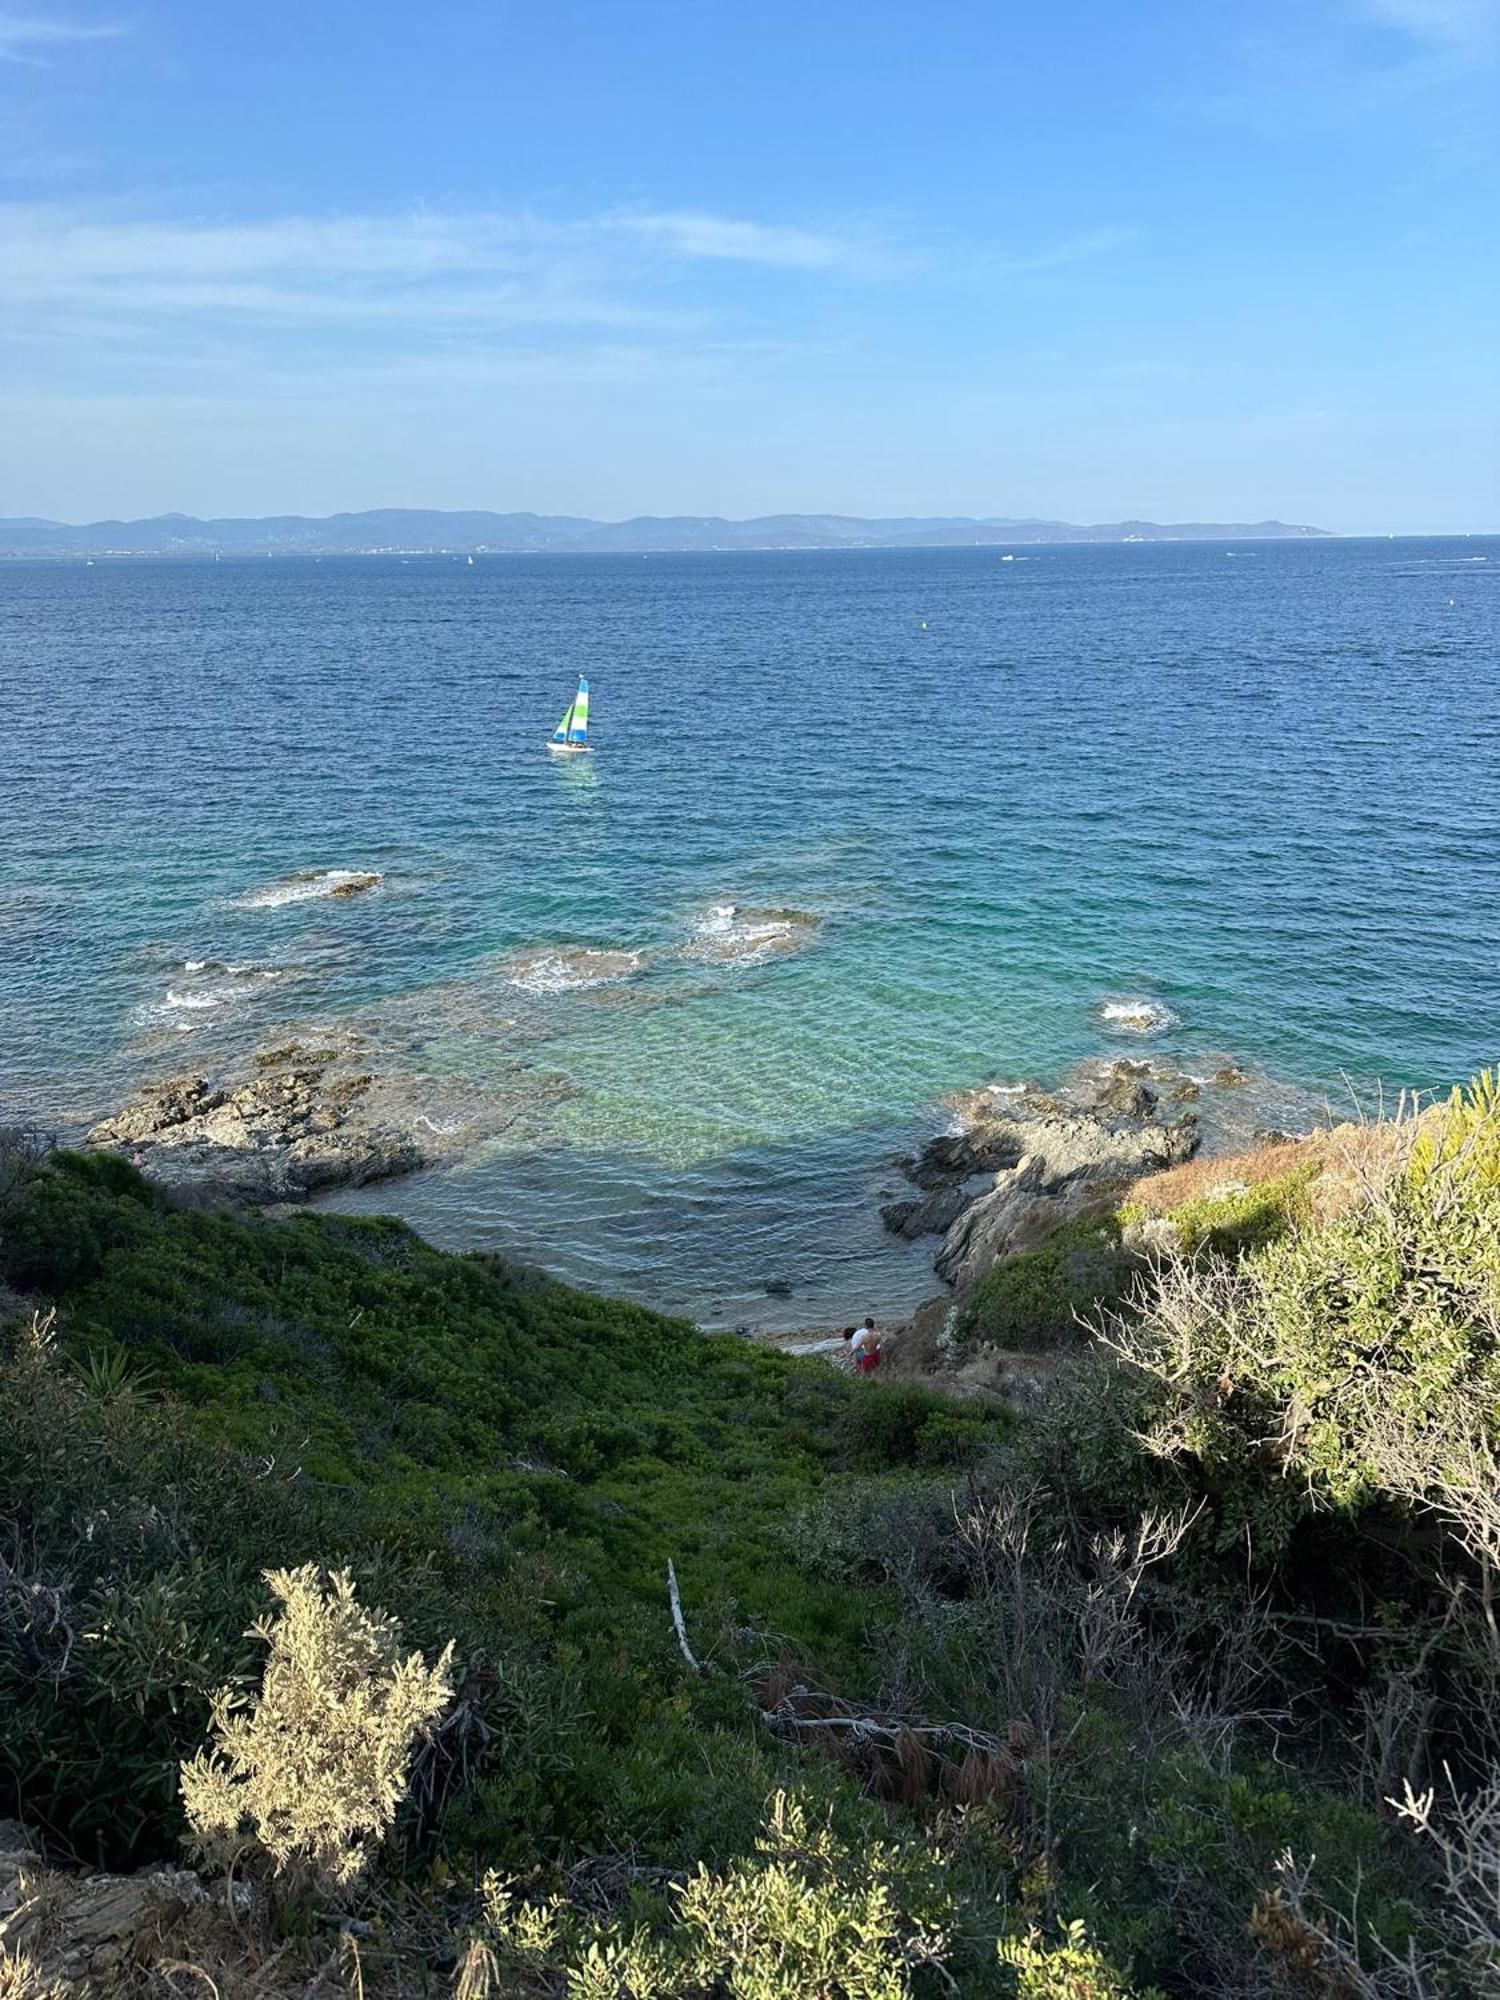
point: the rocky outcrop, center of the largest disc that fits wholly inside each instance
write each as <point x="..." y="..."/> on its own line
<point x="87" y="1934"/>
<point x="304" y="1121"/>
<point x="292" y="1130"/>
<point x="1017" y="1214"/>
<point x="934" y="1213"/>
<point x="1025" y="1160"/>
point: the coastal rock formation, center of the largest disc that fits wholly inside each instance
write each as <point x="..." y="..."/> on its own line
<point x="1025" y="1160"/>
<point x="83" y="1934"/>
<point x="1108" y="1128"/>
<point x="935" y="1212"/>
<point x="567" y="968"/>
<point x="305" y="1121"/>
<point x="293" y="1130"/>
<point x="306" y="885"/>
<point x="732" y="934"/>
<point x="1017" y="1213"/>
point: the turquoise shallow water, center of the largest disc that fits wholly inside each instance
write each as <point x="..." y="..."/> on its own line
<point x="1257" y="784"/>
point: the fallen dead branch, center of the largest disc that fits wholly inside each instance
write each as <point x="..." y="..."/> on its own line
<point x="677" y="1621"/>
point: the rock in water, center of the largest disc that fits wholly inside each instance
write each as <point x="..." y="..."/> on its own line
<point x="299" y="1126"/>
<point x="1124" y="1094"/>
<point x="159" y="1107"/>
<point x="936" y="1211"/>
<point x="1046" y="1158"/>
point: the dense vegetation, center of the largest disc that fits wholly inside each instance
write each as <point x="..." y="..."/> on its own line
<point x="1114" y="1694"/>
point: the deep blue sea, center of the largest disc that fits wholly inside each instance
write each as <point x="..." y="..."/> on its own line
<point x="1256" y="785"/>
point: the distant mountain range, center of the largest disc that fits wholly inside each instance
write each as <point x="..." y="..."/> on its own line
<point x="425" y="531"/>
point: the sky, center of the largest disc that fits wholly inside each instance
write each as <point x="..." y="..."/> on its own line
<point x="1174" y="260"/>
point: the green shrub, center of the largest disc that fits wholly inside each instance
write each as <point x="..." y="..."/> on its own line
<point x="885" y="1424"/>
<point x="1235" y="1219"/>
<point x="1066" y="1968"/>
<point x="1178" y="1849"/>
<point x="809" y="1913"/>
<point x="1352" y="1355"/>
<point x="1035" y="1300"/>
<point x="59" y="1234"/>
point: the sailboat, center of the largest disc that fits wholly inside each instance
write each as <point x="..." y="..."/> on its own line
<point x="572" y="734"/>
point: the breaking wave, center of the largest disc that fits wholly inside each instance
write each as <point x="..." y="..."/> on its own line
<point x="203" y="985"/>
<point x="1137" y="1016"/>
<point x="306" y="885"/>
<point x="731" y="934"/>
<point x="571" y="968"/>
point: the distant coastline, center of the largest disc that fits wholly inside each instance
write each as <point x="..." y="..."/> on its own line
<point x="421" y="531"/>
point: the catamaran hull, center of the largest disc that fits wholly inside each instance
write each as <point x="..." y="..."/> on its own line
<point x="570" y="749"/>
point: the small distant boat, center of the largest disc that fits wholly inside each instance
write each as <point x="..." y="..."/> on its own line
<point x="572" y="734"/>
<point x="471" y="562"/>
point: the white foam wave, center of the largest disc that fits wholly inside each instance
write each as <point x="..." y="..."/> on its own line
<point x="220" y="992"/>
<point x="306" y="885"/>
<point x="731" y="934"/>
<point x="1133" y="1015"/>
<point x="208" y="985"/>
<point x="572" y="968"/>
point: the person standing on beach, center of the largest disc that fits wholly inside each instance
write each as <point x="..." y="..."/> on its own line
<point x="864" y="1346"/>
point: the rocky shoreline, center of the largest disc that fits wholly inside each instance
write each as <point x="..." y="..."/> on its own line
<point x="306" y="1118"/>
<point x="1024" y="1160"/>
<point x="328" y="1111"/>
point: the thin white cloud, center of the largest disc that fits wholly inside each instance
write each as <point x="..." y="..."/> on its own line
<point x="423" y="267"/>
<point x="692" y="234"/>
<point x="1057" y="256"/>
<point x="26" y="38"/>
<point x="1470" y="27"/>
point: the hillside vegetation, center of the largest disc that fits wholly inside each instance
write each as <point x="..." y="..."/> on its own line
<point x="351" y="1565"/>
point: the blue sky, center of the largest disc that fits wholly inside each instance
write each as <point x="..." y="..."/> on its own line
<point x="1176" y="259"/>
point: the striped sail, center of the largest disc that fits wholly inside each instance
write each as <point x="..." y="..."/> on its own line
<point x="560" y="734"/>
<point x="578" y="725"/>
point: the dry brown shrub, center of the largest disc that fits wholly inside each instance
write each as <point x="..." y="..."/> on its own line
<point x="1160" y="1192"/>
<point x="22" y="1979"/>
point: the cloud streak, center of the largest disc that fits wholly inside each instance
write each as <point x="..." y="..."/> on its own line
<point x="421" y="269"/>
<point x="1469" y="27"/>
<point x="691" y="234"/>
<point x="25" y="38"/>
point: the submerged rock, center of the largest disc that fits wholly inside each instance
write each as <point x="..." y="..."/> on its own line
<point x="306" y="885"/>
<point x="937" y="1211"/>
<point x="734" y="934"/>
<point x="568" y="968"/>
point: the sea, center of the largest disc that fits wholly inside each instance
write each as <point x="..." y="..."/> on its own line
<point x="859" y="830"/>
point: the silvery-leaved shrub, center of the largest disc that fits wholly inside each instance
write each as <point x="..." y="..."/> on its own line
<point x="313" y="1771"/>
<point x="809" y="1916"/>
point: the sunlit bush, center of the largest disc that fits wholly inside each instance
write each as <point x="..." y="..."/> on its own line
<point x="313" y="1771"/>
